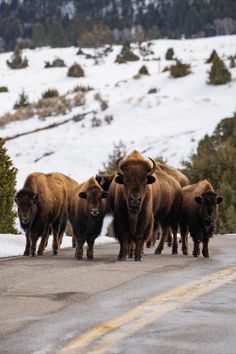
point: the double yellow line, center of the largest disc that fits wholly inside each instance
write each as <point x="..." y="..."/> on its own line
<point x="103" y="336"/>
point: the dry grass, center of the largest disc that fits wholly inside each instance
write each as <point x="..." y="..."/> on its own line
<point x="103" y="103"/>
<point x="45" y="107"/>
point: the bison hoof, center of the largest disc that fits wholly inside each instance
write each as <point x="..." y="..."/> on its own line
<point x="90" y="258"/>
<point x="26" y="253"/>
<point x="148" y="245"/>
<point x="185" y="253"/>
<point x="206" y="255"/>
<point x="121" y="258"/>
<point x="130" y="255"/>
<point x="33" y="254"/>
<point x="174" y="252"/>
<point x="169" y="244"/>
<point x="55" y="253"/>
<point x="137" y="259"/>
<point x="195" y="255"/>
<point x="40" y="253"/>
<point x="157" y="251"/>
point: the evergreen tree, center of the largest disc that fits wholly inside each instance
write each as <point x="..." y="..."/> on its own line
<point x="215" y="161"/>
<point x="219" y="74"/>
<point x="7" y="191"/>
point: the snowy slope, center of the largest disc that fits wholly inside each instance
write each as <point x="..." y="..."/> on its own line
<point x="168" y="123"/>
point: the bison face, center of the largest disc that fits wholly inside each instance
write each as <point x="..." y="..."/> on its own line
<point x="93" y="196"/>
<point x="26" y="201"/>
<point x="135" y="176"/>
<point x="209" y="202"/>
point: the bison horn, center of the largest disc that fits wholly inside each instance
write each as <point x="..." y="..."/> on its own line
<point x="153" y="169"/>
<point x="119" y="171"/>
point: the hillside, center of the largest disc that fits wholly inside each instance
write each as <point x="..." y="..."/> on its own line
<point x="169" y="122"/>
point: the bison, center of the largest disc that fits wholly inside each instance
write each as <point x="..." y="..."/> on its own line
<point x="70" y="185"/>
<point x="183" y="181"/>
<point x="88" y="209"/>
<point x="42" y="208"/>
<point x="131" y="201"/>
<point x="199" y="214"/>
<point x="167" y="207"/>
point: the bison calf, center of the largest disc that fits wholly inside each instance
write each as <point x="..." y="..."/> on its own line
<point x="42" y="209"/>
<point x="199" y="214"/>
<point x="87" y="213"/>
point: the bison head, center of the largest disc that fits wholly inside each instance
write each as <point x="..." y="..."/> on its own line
<point x="209" y="206"/>
<point x="135" y="175"/>
<point x="26" y="201"/>
<point x="93" y="195"/>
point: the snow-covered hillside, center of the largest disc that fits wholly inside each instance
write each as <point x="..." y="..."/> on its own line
<point x="169" y="122"/>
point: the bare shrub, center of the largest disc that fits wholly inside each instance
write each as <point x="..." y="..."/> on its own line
<point x="96" y="122"/>
<point x="81" y="88"/>
<point x="3" y="89"/>
<point x="108" y="118"/>
<point x="75" y="71"/>
<point x="17" y="62"/>
<point x="103" y="103"/>
<point x="57" y="63"/>
<point x="79" y="99"/>
<point x="50" y="93"/>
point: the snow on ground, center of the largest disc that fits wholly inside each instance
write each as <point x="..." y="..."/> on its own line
<point x="168" y="123"/>
<point x="14" y="245"/>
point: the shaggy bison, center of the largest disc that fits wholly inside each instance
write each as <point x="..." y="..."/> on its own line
<point x="131" y="201"/>
<point x="70" y="185"/>
<point x="87" y="213"/>
<point x="199" y="214"/>
<point x="42" y="208"/>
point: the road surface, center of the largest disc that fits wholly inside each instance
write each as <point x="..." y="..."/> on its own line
<point x="164" y="304"/>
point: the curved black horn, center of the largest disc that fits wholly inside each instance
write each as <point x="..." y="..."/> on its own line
<point x="153" y="169"/>
<point x="119" y="171"/>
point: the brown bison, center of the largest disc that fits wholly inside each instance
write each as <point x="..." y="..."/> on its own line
<point x="70" y="185"/>
<point x="183" y="181"/>
<point x="167" y="208"/>
<point x="87" y="213"/>
<point x="199" y="214"/>
<point x="42" y="208"/>
<point x="131" y="201"/>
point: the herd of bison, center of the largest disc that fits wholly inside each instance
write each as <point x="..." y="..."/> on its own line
<point x="146" y="199"/>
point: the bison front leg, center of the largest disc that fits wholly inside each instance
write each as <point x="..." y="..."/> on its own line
<point x="33" y="243"/>
<point x="184" y="238"/>
<point x="138" y="249"/>
<point x="174" y="229"/>
<point x="44" y="241"/>
<point x="161" y="243"/>
<point x="131" y="249"/>
<point x="205" y="251"/>
<point x="27" y="245"/>
<point x="90" y="250"/>
<point x="123" y="250"/>
<point x="196" y="249"/>
<point x="79" y="248"/>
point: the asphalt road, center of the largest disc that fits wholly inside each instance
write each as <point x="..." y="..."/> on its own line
<point x="164" y="304"/>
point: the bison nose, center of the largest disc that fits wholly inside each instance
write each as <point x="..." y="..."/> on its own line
<point x="94" y="212"/>
<point x="133" y="199"/>
<point x="25" y="220"/>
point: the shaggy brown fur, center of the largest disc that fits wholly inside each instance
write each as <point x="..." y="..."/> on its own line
<point x="42" y="207"/>
<point x="87" y="213"/>
<point x="199" y="214"/>
<point x="131" y="200"/>
<point x="183" y="181"/>
<point x="70" y="185"/>
<point x="167" y="208"/>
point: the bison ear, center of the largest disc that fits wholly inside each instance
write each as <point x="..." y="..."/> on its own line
<point x="35" y="197"/>
<point x="83" y="195"/>
<point x="199" y="199"/>
<point x="219" y="200"/>
<point x="16" y="199"/>
<point x="104" y="194"/>
<point x="119" y="179"/>
<point x="150" y="179"/>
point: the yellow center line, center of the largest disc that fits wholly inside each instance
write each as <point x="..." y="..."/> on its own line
<point x="106" y="334"/>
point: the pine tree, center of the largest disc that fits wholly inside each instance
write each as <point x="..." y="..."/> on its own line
<point x="7" y="191"/>
<point x="219" y="74"/>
